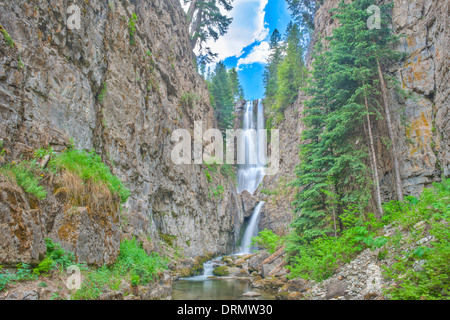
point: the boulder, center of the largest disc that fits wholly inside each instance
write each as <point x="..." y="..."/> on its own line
<point x="251" y="294"/>
<point x="249" y="202"/>
<point x="221" y="271"/>
<point x="336" y="289"/>
<point x="255" y="262"/>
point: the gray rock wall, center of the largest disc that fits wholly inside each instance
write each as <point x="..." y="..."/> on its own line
<point x="119" y="99"/>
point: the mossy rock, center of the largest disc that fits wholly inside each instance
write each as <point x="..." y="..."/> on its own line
<point x="221" y="271"/>
<point x="197" y="270"/>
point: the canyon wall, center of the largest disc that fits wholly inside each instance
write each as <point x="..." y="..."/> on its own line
<point x="421" y="121"/>
<point x="118" y="92"/>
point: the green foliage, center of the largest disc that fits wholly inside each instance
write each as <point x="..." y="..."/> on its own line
<point x="218" y="192"/>
<point x="132" y="27"/>
<point x="133" y="264"/>
<point x="7" y="38"/>
<point x="189" y="100"/>
<point x="89" y="167"/>
<point x="334" y="172"/>
<point x="207" y="21"/>
<point x="285" y="73"/>
<point x="56" y="256"/>
<point x="221" y="271"/>
<point x="225" y="89"/>
<point x="22" y="273"/>
<point x="267" y="239"/>
<point x="102" y="93"/>
<point x="303" y="11"/>
<point x="432" y="280"/>
<point x="28" y="175"/>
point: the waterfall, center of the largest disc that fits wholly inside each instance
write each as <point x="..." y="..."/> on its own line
<point x="251" y="230"/>
<point x="251" y="173"/>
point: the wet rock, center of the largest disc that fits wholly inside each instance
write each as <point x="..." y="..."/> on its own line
<point x="249" y="202"/>
<point x="251" y="294"/>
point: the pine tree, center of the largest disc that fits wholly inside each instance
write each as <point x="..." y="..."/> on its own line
<point x="270" y="76"/>
<point x="304" y="11"/>
<point x="225" y="89"/>
<point x="236" y="88"/>
<point x="344" y="89"/>
<point x="291" y="72"/>
<point x="206" y="21"/>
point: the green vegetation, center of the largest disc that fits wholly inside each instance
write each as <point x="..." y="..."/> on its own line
<point x="27" y="174"/>
<point x="132" y="27"/>
<point x="83" y="176"/>
<point x="7" y="38"/>
<point x="22" y="273"/>
<point x="189" y="100"/>
<point x="336" y="153"/>
<point x="133" y="265"/>
<point x="285" y="73"/>
<point x="56" y="257"/>
<point x="207" y="21"/>
<point x="90" y="168"/>
<point x="102" y="93"/>
<point x="319" y="259"/>
<point x="267" y="239"/>
<point x="221" y="271"/>
<point x="432" y="281"/>
<point x="225" y="90"/>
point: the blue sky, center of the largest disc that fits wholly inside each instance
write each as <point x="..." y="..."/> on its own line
<point x="246" y="45"/>
<point x="251" y="63"/>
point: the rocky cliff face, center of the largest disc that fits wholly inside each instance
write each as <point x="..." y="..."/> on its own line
<point x="423" y="139"/>
<point x="116" y="91"/>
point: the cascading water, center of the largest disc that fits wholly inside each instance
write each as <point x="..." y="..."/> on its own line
<point x="251" y="173"/>
<point x="251" y="230"/>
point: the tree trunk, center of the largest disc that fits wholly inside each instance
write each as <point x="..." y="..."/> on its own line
<point x="191" y="11"/>
<point x="373" y="157"/>
<point x="398" y="180"/>
<point x="196" y="29"/>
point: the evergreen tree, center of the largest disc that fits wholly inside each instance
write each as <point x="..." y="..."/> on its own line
<point x="304" y="11"/>
<point x="270" y="76"/>
<point x="236" y="88"/>
<point x="225" y="89"/>
<point x="344" y="89"/>
<point x="291" y="72"/>
<point x="206" y="21"/>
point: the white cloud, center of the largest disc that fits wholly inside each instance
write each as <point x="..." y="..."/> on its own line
<point x="259" y="54"/>
<point x="247" y="27"/>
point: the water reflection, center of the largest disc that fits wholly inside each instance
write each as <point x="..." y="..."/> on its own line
<point x="223" y="289"/>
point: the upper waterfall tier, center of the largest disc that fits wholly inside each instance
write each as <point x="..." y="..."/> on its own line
<point x="251" y="174"/>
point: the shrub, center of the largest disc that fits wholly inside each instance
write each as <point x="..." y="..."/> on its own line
<point x="432" y="281"/>
<point x="267" y="239"/>
<point x="133" y="264"/>
<point x="55" y="256"/>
